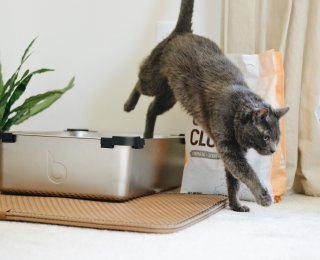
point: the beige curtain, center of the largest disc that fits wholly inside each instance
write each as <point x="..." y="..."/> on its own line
<point x="293" y="27"/>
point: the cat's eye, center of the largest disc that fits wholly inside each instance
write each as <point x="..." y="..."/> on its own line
<point x="266" y="138"/>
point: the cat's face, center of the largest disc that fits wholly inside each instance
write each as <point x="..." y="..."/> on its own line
<point x="260" y="130"/>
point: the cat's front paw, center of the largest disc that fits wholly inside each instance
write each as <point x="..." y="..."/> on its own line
<point x="264" y="199"/>
<point x="240" y="208"/>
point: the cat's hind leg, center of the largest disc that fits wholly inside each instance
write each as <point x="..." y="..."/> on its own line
<point x="133" y="98"/>
<point x="233" y="185"/>
<point x="158" y="106"/>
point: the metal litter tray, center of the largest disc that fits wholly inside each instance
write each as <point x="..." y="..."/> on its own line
<point x="89" y="164"/>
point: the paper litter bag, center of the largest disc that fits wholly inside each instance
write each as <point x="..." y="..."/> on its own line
<point x="204" y="170"/>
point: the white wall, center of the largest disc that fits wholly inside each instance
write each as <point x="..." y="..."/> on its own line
<point x="102" y="43"/>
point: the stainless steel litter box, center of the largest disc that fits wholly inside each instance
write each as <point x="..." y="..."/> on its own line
<point x="86" y="164"/>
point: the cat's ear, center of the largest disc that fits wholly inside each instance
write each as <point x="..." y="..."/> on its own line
<point x="260" y="113"/>
<point x="281" y="112"/>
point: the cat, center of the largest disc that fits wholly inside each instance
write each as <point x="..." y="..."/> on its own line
<point x="193" y="70"/>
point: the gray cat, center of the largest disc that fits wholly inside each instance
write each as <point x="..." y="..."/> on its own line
<point x="193" y="70"/>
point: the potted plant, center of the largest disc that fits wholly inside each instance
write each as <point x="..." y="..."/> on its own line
<point x="15" y="86"/>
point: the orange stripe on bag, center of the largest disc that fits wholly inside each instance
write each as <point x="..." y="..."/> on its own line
<point x="279" y="172"/>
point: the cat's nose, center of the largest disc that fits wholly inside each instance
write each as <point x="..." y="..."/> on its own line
<point x="273" y="148"/>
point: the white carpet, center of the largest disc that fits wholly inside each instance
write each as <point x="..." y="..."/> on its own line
<point x="289" y="230"/>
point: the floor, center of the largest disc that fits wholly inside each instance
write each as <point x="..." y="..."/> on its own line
<point x="288" y="230"/>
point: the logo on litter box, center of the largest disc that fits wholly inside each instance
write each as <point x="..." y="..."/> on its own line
<point x="56" y="171"/>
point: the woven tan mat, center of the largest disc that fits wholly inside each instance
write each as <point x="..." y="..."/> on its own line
<point x="159" y="213"/>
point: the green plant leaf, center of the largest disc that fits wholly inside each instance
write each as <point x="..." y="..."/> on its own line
<point x="22" y="85"/>
<point x="14" y="92"/>
<point x="9" y="91"/>
<point x="18" y="91"/>
<point x="14" y="88"/>
<point x="41" y="71"/>
<point x="32" y="101"/>
<point x="2" y="110"/>
<point x="10" y="85"/>
<point x="11" y="81"/>
<point x="7" y="94"/>
<point x="26" y="54"/>
<point x="25" y="74"/>
<point x="34" y="105"/>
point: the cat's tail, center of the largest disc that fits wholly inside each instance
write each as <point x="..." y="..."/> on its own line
<point x="184" y="23"/>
